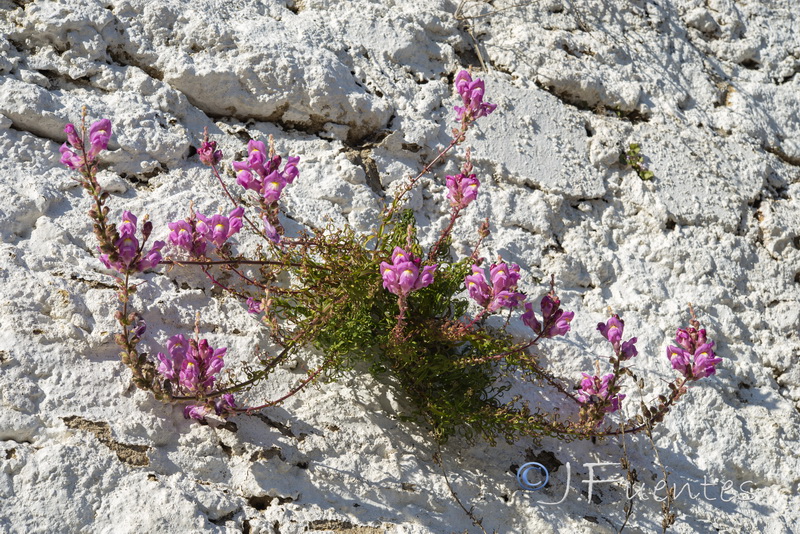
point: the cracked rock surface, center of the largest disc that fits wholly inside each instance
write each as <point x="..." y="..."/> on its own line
<point x="361" y="91"/>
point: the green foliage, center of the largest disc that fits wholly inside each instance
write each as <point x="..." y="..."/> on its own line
<point x="448" y="368"/>
<point x="635" y="159"/>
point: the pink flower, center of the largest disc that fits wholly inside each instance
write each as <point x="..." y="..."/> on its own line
<point x="691" y="338"/>
<point x="290" y="171"/>
<point x="128" y="224"/>
<point x="171" y="365"/>
<point x="598" y="390"/>
<point x="254" y="306"/>
<point x="72" y="135"/>
<point x="502" y="293"/>
<point x="270" y="231"/>
<point x="128" y="247"/>
<point x="694" y="366"/>
<point x="200" y="366"/>
<point x="472" y="95"/>
<point x="272" y="187"/>
<point x="705" y="361"/>
<point x="244" y="178"/>
<point x="69" y="158"/>
<point x="152" y="257"/>
<point x="225" y="404"/>
<point x="403" y="275"/>
<point x="208" y="153"/>
<point x="129" y="256"/>
<point x="612" y="330"/>
<point x="218" y="228"/>
<point x="182" y="234"/>
<point x="504" y="277"/>
<point x="478" y="289"/>
<point x="191" y="365"/>
<point x="99" y="136"/>
<point x="185" y="235"/>
<point x="555" y="321"/>
<point x="196" y="411"/>
<point x="628" y="349"/>
<point x="263" y="175"/>
<point x="462" y="189"/>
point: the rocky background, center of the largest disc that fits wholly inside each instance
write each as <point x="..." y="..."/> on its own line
<point x="361" y="90"/>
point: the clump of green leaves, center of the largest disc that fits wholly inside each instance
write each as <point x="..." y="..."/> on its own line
<point x="634" y="158"/>
<point x="448" y="369"/>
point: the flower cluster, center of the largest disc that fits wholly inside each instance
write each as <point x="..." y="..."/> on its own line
<point x="502" y="293"/>
<point x="208" y="153"/>
<point x="600" y="391"/>
<point x="261" y="173"/>
<point x="694" y="357"/>
<point x="462" y="189"/>
<point x="254" y="306"/>
<point x="472" y="95"/>
<point x="218" y="228"/>
<point x="184" y="235"/>
<point x="128" y="256"/>
<point x="555" y="321"/>
<point x="78" y="157"/>
<point x="404" y="274"/>
<point x="601" y="395"/>
<point x="612" y="331"/>
<point x="195" y="232"/>
<point x="192" y="367"/>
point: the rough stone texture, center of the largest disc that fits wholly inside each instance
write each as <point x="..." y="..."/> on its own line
<point x="361" y="90"/>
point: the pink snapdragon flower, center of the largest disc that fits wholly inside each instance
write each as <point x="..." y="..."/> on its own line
<point x="262" y="174"/>
<point x="72" y="135"/>
<point x="472" y="95"/>
<point x="129" y="256"/>
<point x="628" y="349"/>
<point x="193" y="368"/>
<point x="209" y="154"/>
<point x="218" y="228"/>
<point x="555" y="321"/>
<point x="600" y="390"/>
<point x="171" y="365"/>
<point x="200" y="367"/>
<point x="612" y="331"/>
<point x="462" y="189"/>
<point x="128" y="224"/>
<point x="254" y="306"/>
<point x="70" y="158"/>
<point x="185" y="235"/>
<point x="404" y="275"/>
<point x="222" y="405"/>
<point x="270" y="231"/>
<point x="99" y="136"/>
<point x="502" y="293"/>
<point x="694" y="356"/>
<point x="195" y="232"/>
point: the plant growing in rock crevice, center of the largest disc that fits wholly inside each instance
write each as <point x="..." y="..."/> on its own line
<point x="634" y="159"/>
<point x="378" y="298"/>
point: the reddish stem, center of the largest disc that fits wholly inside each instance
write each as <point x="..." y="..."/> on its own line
<point x="233" y="201"/>
<point x="446" y="232"/>
<point x="228" y="262"/>
<point x="291" y="392"/>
